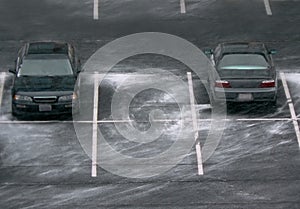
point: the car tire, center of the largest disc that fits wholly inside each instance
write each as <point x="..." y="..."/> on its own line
<point x="212" y="100"/>
<point x="215" y="103"/>
<point x="14" y="113"/>
<point x="273" y="103"/>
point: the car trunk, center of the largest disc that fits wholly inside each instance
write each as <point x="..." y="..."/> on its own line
<point x="245" y="78"/>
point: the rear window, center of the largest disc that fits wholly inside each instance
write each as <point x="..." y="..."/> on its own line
<point x="48" y="48"/>
<point x="45" y="67"/>
<point x="243" y="62"/>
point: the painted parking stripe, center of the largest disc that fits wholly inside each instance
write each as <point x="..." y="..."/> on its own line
<point x="182" y="7"/>
<point x="195" y="124"/>
<point x="291" y="106"/>
<point x="261" y="119"/>
<point x="268" y="7"/>
<point x="130" y="121"/>
<point x="2" y="83"/>
<point x="96" y="10"/>
<point x="95" y="128"/>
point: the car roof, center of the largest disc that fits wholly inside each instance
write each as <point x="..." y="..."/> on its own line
<point x="243" y="47"/>
<point x="47" y="47"/>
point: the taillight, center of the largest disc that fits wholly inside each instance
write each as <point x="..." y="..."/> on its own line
<point x="222" y="84"/>
<point x="267" y="84"/>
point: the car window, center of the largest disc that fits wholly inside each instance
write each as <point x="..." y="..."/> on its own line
<point x="47" y="48"/>
<point x="45" y="67"/>
<point x="217" y="52"/>
<point x="243" y="62"/>
<point x="71" y="55"/>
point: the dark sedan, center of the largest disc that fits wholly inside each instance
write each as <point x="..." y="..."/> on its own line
<point x="45" y="75"/>
<point x="244" y="72"/>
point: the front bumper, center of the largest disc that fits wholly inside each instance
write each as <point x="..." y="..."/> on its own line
<point x="235" y="94"/>
<point x="31" y="108"/>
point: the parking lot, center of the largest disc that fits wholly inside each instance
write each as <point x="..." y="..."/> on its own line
<point x="256" y="164"/>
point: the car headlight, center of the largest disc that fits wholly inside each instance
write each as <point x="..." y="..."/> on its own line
<point x="18" y="97"/>
<point x="67" y="97"/>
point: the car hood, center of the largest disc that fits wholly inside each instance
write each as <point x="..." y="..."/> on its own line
<point x="50" y="83"/>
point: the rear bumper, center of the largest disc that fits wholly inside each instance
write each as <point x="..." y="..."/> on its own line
<point x="257" y="94"/>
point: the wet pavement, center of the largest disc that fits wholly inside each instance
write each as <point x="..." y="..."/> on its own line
<point x="256" y="163"/>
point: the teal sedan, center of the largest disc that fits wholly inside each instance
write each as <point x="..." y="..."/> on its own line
<point x="244" y="72"/>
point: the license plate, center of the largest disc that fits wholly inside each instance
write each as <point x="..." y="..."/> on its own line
<point x="245" y="97"/>
<point x="45" y="108"/>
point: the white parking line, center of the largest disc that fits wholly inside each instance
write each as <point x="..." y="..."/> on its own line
<point x="268" y="7"/>
<point x="95" y="128"/>
<point x="2" y="82"/>
<point x="199" y="159"/>
<point x="192" y="100"/>
<point x="260" y="119"/>
<point x="96" y="9"/>
<point x="182" y="7"/>
<point x="291" y="106"/>
<point x="195" y="124"/>
<point x="286" y="0"/>
<point x="130" y="121"/>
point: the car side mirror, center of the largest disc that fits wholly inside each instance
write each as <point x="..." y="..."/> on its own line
<point x="273" y="51"/>
<point x="208" y="52"/>
<point x="11" y="70"/>
<point x="79" y="65"/>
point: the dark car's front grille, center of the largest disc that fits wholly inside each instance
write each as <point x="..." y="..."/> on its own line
<point x="45" y="99"/>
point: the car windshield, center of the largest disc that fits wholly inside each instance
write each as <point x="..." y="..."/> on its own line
<point x="46" y="67"/>
<point x="243" y="62"/>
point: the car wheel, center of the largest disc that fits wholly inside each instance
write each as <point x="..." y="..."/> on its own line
<point x="217" y="103"/>
<point x="14" y="112"/>
<point x="272" y="103"/>
<point x="212" y="100"/>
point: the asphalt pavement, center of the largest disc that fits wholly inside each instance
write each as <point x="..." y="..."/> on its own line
<point x="256" y="164"/>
